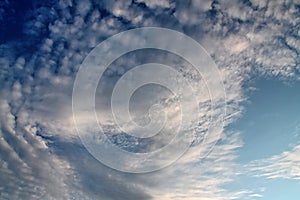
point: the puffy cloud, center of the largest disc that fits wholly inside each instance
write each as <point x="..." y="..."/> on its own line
<point x="155" y="4"/>
<point x="41" y="153"/>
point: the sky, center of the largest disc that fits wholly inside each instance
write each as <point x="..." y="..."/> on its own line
<point x="255" y="46"/>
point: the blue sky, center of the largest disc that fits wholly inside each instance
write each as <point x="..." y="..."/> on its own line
<point x="269" y="127"/>
<point x="255" y="45"/>
<point x="269" y="124"/>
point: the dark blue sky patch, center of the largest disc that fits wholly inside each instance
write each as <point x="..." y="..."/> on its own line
<point x="12" y="20"/>
<point x="19" y="23"/>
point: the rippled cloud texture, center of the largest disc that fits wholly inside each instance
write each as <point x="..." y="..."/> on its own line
<point x="41" y="156"/>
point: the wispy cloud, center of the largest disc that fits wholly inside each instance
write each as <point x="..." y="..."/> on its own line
<point x="285" y="165"/>
<point x="41" y="155"/>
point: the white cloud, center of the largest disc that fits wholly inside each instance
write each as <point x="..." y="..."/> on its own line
<point x="256" y="195"/>
<point x="191" y="177"/>
<point x="36" y="96"/>
<point x="285" y="165"/>
<point x="236" y="44"/>
<point x="28" y="169"/>
<point x="156" y="3"/>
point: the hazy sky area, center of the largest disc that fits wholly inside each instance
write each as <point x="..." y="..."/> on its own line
<point x="255" y="44"/>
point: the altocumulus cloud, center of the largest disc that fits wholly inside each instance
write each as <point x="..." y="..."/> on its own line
<point x="42" y="157"/>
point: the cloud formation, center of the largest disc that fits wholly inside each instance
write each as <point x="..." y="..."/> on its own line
<point x="285" y="165"/>
<point x="41" y="155"/>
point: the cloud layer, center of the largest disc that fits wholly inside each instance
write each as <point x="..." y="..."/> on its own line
<point x="41" y="155"/>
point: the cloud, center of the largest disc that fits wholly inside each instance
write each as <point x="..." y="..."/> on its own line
<point x="256" y="195"/>
<point x="285" y="165"/>
<point x="156" y="4"/>
<point x="95" y="180"/>
<point x="195" y="178"/>
<point x="28" y="170"/>
<point x="38" y="136"/>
